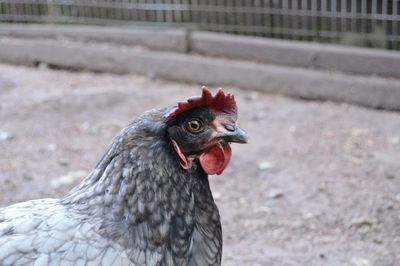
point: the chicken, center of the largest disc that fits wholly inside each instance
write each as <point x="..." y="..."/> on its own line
<point x="147" y="202"/>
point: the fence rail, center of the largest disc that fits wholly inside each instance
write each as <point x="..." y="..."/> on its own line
<point x="371" y="23"/>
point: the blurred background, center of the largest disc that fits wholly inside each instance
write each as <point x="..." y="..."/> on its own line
<point x="371" y="23"/>
<point x="318" y="90"/>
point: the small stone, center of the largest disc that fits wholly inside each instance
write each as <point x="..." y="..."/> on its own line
<point x="322" y="187"/>
<point x="377" y="240"/>
<point x="67" y="179"/>
<point x="85" y="126"/>
<point x="52" y="147"/>
<point x="63" y="162"/>
<point x="6" y="136"/>
<point x="7" y="84"/>
<point x="262" y="209"/>
<point x="242" y="201"/>
<point x="27" y="177"/>
<point x="388" y="206"/>
<point x="307" y="215"/>
<point x="257" y="116"/>
<point x="151" y="75"/>
<point x="252" y="96"/>
<point x="362" y="222"/>
<point x="265" y="165"/>
<point x="395" y="140"/>
<point x="254" y="224"/>
<point x="216" y="195"/>
<point x="390" y="176"/>
<point x="43" y="66"/>
<point x="360" y="262"/>
<point x="356" y="132"/>
<point x="397" y="197"/>
<point x="275" y="194"/>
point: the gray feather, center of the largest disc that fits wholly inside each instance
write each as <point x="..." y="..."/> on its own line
<point x="137" y="207"/>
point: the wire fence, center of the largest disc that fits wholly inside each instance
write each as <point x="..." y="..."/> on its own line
<point x="371" y="23"/>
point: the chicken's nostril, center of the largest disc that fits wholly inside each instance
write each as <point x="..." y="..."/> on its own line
<point x="230" y="127"/>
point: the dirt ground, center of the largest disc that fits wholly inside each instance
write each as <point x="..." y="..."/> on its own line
<point x="318" y="185"/>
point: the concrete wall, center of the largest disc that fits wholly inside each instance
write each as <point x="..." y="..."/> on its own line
<point x="157" y="39"/>
<point x="293" y="53"/>
<point x="305" y="83"/>
<point x="345" y="59"/>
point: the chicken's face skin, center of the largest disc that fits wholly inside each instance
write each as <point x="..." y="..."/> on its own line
<point x="204" y="134"/>
<point x="192" y="142"/>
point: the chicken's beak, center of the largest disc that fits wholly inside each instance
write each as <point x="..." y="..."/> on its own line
<point x="236" y="134"/>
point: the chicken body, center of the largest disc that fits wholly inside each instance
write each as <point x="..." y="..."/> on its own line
<point x="137" y="207"/>
<point x="147" y="202"/>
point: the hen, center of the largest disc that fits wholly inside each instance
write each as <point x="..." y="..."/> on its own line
<point x="147" y="202"/>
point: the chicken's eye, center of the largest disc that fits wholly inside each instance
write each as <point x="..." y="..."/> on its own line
<point x="194" y="126"/>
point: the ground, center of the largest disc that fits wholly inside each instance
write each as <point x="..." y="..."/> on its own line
<point x="318" y="184"/>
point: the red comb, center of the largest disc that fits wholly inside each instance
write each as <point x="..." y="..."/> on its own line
<point x="220" y="102"/>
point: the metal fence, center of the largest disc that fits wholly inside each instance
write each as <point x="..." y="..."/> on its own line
<point x="371" y="23"/>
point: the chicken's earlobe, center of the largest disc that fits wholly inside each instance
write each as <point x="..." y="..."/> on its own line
<point x="186" y="162"/>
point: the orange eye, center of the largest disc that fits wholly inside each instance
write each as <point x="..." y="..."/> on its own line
<point x="194" y="126"/>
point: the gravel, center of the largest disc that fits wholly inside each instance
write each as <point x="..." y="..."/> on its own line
<point x="318" y="185"/>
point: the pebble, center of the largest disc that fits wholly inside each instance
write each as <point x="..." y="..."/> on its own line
<point x="397" y="197"/>
<point x="67" y="179"/>
<point x="27" y="177"/>
<point x="390" y="176"/>
<point x="90" y="128"/>
<point x="362" y="222"/>
<point x="252" y="96"/>
<point x="4" y="135"/>
<point x="52" y="147"/>
<point x="216" y="195"/>
<point x="263" y="209"/>
<point x="322" y="187"/>
<point x="243" y="201"/>
<point x="63" y="162"/>
<point x="360" y="262"/>
<point x="275" y="194"/>
<point x="42" y="66"/>
<point x="265" y="165"/>
<point x="394" y="140"/>
<point x="389" y="206"/>
<point x="254" y="224"/>
<point x="307" y="215"/>
<point x="257" y="116"/>
<point x="85" y="126"/>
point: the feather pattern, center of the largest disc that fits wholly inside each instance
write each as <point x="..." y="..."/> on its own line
<point x="207" y="235"/>
<point x="137" y="207"/>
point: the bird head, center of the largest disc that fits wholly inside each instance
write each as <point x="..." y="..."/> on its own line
<point x="202" y="128"/>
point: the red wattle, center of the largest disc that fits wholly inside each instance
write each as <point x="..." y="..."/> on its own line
<point x="214" y="160"/>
